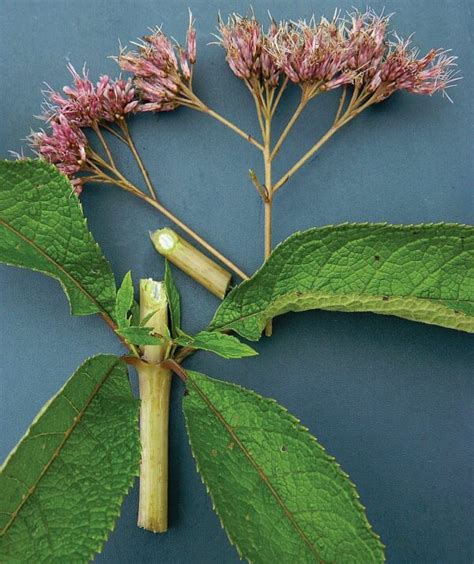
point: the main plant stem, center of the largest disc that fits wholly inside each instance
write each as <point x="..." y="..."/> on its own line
<point x="268" y="189"/>
<point x="268" y="201"/>
<point x="154" y="385"/>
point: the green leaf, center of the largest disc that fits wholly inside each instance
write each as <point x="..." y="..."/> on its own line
<point x="147" y="318"/>
<point x="419" y="272"/>
<point x="134" y="318"/>
<point x="61" y="488"/>
<point x="174" y="301"/>
<point x="226" y="346"/>
<point x="42" y="228"/>
<point x="139" y="336"/>
<point x="279" y="496"/>
<point x="124" y="301"/>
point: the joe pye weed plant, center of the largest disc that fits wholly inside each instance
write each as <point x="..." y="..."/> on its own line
<point x="278" y="494"/>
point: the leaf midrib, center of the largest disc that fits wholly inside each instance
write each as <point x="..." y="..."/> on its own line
<point x="299" y="294"/>
<point x="259" y="470"/>
<point x="75" y="282"/>
<point x="57" y="452"/>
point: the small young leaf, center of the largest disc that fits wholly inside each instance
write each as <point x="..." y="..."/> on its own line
<point x="61" y="488"/>
<point x="419" y="272"/>
<point x="224" y="345"/>
<point x="139" y="336"/>
<point x="147" y="318"/>
<point x="124" y="301"/>
<point x="42" y="228"/>
<point x="134" y="318"/>
<point x="279" y="496"/>
<point x="174" y="301"/>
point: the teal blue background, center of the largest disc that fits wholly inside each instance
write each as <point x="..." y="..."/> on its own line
<point x="391" y="399"/>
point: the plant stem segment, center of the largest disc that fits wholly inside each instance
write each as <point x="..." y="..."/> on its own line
<point x="232" y="126"/>
<point x="268" y="202"/>
<point x="357" y="105"/>
<point x="154" y="384"/>
<point x="284" y="179"/>
<point x="146" y="177"/>
<point x="167" y="213"/>
<point x="301" y="106"/>
<point x="191" y="261"/>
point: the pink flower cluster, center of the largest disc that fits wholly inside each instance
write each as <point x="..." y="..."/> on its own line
<point x="386" y="65"/>
<point x="327" y="54"/>
<point x="162" y="70"/>
<point x="318" y="56"/>
<point x="402" y="69"/>
<point x="87" y="104"/>
<point x="312" y="53"/>
<point x="83" y="104"/>
<point x="64" y="147"/>
<point x="364" y="42"/>
<point x="247" y="49"/>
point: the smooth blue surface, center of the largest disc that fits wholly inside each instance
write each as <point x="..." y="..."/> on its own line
<point x="391" y="399"/>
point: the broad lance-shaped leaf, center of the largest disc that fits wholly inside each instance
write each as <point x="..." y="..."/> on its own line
<point x="419" y="272"/>
<point x="279" y="496"/>
<point x="42" y="227"/>
<point x="61" y="488"/>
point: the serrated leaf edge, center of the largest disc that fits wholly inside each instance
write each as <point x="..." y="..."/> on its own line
<point x="115" y="514"/>
<point x="301" y="429"/>
<point x="101" y="308"/>
<point x="401" y="227"/>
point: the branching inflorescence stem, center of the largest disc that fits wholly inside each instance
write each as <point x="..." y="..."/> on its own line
<point x="317" y="56"/>
<point x="108" y="173"/>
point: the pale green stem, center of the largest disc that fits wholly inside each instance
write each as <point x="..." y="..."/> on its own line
<point x="154" y="385"/>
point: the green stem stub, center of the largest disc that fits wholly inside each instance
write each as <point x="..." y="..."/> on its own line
<point x="191" y="261"/>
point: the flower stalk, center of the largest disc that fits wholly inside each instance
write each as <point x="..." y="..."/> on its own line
<point x="154" y="385"/>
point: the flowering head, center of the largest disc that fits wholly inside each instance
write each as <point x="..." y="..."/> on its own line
<point x="117" y="98"/>
<point x="403" y="69"/>
<point x="64" y="147"/>
<point x="86" y="104"/>
<point x="162" y="70"/>
<point x="80" y="106"/>
<point x="246" y="47"/>
<point x="365" y="41"/>
<point x="312" y="54"/>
